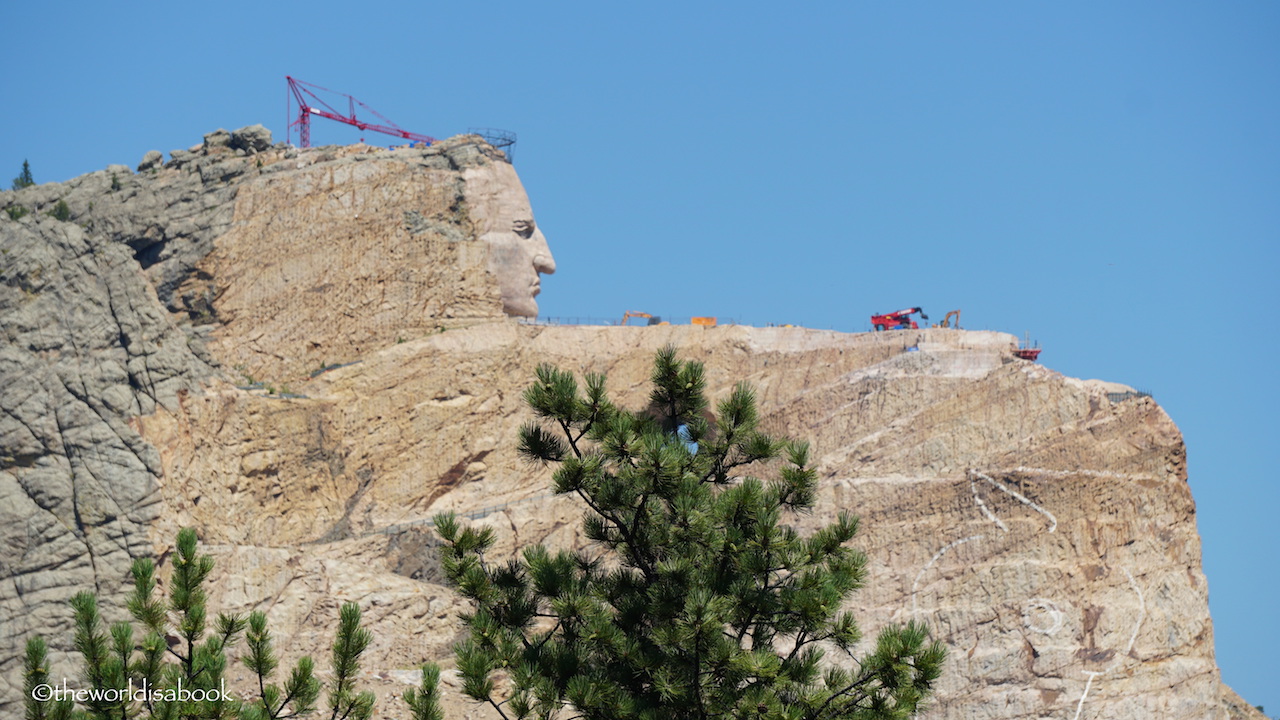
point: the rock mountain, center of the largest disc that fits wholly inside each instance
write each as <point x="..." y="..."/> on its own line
<point x="305" y="354"/>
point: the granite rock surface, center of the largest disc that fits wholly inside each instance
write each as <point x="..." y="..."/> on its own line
<point x="118" y="311"/>
<point x="303" y="354"/>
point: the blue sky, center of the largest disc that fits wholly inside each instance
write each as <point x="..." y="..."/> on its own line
<point x="1104" y="176"/>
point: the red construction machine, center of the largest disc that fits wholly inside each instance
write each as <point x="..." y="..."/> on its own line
<point x="1026" y="350"/>
<point x="900" y="320"/>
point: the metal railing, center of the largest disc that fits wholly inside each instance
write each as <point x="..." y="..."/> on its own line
<point x="600" y="321"/>
<point x="504" y="140"/>
<point x="1127" y="395"/>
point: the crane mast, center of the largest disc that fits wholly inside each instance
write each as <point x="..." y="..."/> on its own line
<point x="310" y="104"/>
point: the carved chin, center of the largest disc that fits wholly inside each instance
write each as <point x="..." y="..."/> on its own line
<point x="520" y="306"/>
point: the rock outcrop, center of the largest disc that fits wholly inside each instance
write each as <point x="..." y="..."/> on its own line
<point x="307" y="354"/>
<point x="1044" y="531"/>
<point x="87" y="346"/>
<point x="113" y="314"/>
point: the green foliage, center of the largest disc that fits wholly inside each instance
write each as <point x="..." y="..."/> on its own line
<point x="351" y="642"/>
<point x="300" y="691"/>
<point x="16" y="212"/>
<point x="115" y="183"/>
<point x="424" y="702"/>
<point x="704" y="604"/>
<point x="60" y="211"/>
<point x="170" y="662"/>
<point x="35" y="675"/>
<point x="24" y="178"/>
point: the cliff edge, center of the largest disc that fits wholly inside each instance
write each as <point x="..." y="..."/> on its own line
<point x="305" y="354"/>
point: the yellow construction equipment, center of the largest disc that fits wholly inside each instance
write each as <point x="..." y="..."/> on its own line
<point x="653" y="319"/>
<point x="703" y="321"/>
<point x="946" y="321"/>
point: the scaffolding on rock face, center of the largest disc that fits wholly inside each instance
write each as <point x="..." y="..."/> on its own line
<point x="1119" y="397"/>
<point x="302" y="93"/>
<point x="504" y="140"/>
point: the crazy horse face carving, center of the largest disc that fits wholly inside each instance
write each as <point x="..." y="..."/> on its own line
<point x="518" y="252"/>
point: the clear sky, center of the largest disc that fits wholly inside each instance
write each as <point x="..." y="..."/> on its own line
<point x="1102" y="175"/>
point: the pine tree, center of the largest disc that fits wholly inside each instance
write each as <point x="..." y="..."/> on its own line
<point x="176" y="669"/>
<point x="698" y="602"/>
<point x="60" y="211"/>
<point x="24" y="178"/>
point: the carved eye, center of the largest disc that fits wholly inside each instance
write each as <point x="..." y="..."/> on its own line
<point x="523" y="228"/>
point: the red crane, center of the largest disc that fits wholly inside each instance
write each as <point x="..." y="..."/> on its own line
<point x="900" y="320"/>
<point x="298" y="92"/>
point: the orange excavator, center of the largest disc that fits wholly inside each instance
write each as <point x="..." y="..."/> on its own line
<point x="653" y="319"/>
<point x="946" y="321"/>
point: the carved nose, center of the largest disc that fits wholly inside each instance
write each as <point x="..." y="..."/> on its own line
<point x="544" y="264"/>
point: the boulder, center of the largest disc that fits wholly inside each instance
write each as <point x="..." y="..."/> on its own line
<point x="152" y="160"/>
<point x="217" y="139"/>
<point x="178" y="158"/>
<point x="252" y="139"/>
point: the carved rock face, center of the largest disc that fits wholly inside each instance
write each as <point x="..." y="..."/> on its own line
<point x="518" y="251"/>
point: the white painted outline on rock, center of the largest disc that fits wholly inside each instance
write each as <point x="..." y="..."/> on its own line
<point x="915" y="609"/>
<point x="1133" y="638"/>
<point x="1053" y="521"/>
<point x="1142" y="610"/>
<point x="1041" y="603"/>
<point x="1051" y="608"/>
<point x="1085" y="694"/>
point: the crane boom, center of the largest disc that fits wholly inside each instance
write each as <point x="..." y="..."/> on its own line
<point x="299" y="93"/>
<point x="900" y="320"/>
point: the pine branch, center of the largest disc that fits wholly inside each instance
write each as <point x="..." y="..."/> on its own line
<point x="424" y="703"/>
<point x="351" y="642"/>
<point x="696" y="553"/>
<point x="35" y="674"/>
